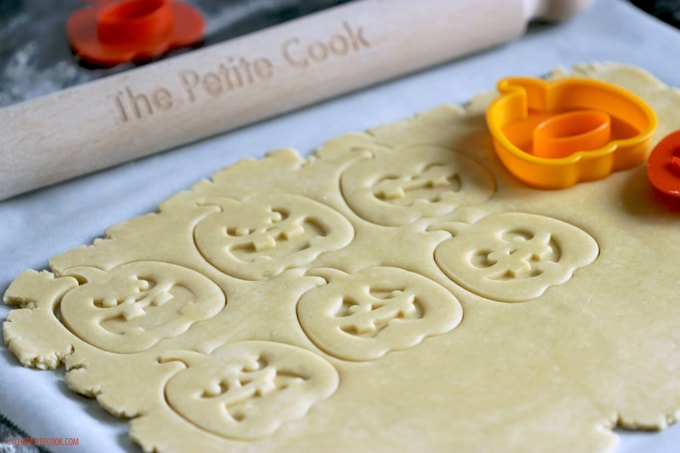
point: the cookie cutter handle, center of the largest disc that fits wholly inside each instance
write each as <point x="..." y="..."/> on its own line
<point x="565" y="134"/>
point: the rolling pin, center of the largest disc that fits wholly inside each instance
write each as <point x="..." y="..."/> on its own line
<point x="238" y="82"/>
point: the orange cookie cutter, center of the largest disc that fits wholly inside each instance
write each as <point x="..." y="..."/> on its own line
<point x="663" y="166"/>
<point x="554" y="134"/>
<point x="110" y="32"/>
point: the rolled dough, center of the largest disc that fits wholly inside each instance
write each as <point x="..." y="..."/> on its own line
<point x="397" y="290"/>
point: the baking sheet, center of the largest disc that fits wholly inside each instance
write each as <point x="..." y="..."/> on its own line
<point x="47" y="222"/>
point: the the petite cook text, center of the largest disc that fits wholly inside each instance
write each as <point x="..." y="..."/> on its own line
<point x="236" y="73"/>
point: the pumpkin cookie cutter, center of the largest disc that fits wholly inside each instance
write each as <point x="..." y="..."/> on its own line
<point x="111" y="32"/>
<point x="663" y="166"/>
<point x="554" y="134"/>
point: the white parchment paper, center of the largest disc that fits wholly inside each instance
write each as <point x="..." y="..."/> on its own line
<point x="47" y="222"/>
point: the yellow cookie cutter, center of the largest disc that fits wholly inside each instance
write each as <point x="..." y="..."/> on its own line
<point x="553" y="134"/>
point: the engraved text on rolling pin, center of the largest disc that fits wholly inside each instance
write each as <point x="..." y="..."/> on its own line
<point x="236" y="73"/>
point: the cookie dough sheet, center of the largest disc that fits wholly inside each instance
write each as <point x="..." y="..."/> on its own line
<point x="48" y="223"/>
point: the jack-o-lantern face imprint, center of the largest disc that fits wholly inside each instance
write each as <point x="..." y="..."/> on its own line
<point x="264" y="235"/>
<point x="247" y="390"/>
<point x="370" y="313"/>
<point x="401" y="187"/>
<point x="134" y="306"/>
<point x="513" y="257"/>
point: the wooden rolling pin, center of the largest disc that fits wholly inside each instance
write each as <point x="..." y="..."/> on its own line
<point x="238" y="82"/>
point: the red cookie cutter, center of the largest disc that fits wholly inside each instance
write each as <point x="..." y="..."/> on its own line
<point x="110" y="32"/>
<point x="663" y="166"/>
<point x="553" y="134"/>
